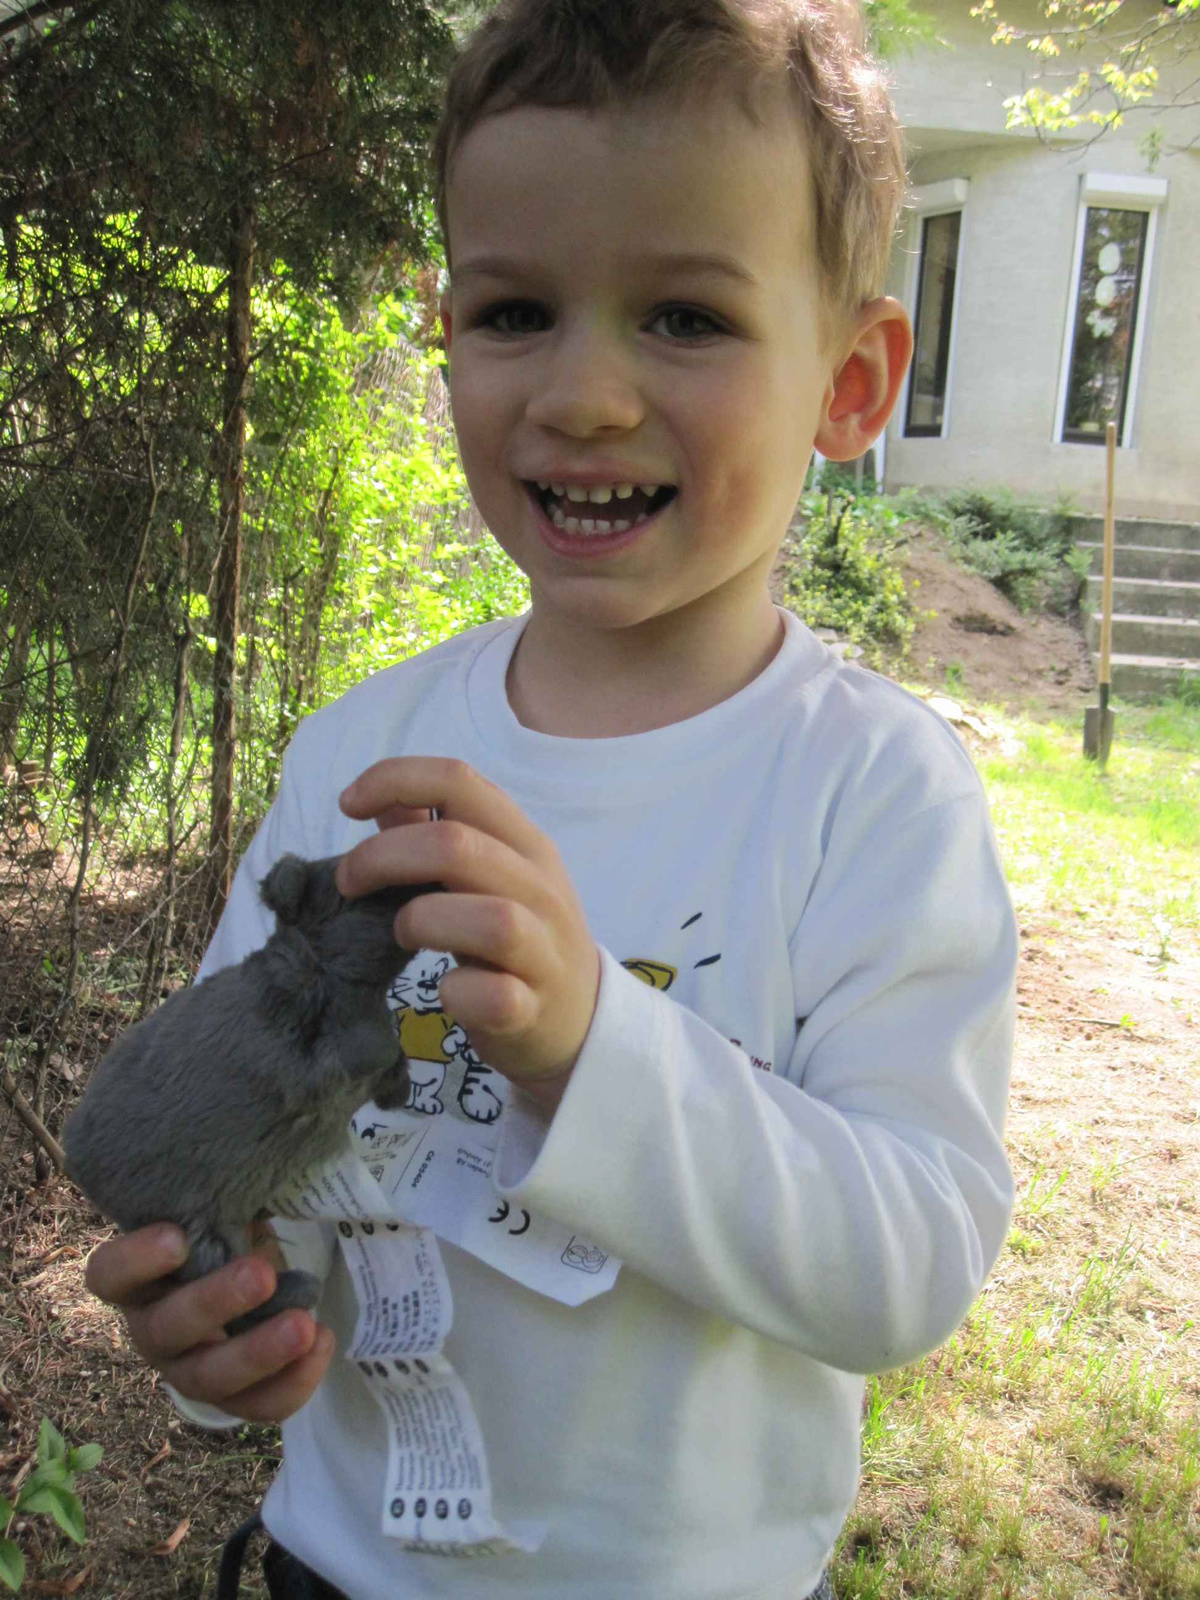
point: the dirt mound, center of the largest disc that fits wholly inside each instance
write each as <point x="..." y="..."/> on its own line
<point x="972" y="641"/>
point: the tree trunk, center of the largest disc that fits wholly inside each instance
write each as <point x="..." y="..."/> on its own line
<point x="228" y="575"/>
<point x="12" y="688"/>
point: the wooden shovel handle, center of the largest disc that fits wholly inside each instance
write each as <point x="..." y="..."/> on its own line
<point x="1106" y="595"/>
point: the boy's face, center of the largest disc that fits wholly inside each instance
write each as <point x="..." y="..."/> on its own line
<point x="634" y="301"/>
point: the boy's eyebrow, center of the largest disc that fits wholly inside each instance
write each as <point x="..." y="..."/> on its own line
<point x="696" y="262"/>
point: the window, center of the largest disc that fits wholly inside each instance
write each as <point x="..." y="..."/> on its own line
<point x="1110" y="276"/>
<point x="933" y="324"/>
<point x="1105" y="327"/>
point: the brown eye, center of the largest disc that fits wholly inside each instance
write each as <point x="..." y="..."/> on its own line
<point x="685" y="322"/>
<point x="516" y="317"/>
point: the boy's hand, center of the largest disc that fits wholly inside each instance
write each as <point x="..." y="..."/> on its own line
<point x="263" y="1375"/>
<point x="529" y="969"/>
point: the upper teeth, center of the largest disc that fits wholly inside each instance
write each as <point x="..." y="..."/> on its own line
<point x="599" y="495"/>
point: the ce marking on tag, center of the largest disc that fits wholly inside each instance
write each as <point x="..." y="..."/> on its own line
<point x="502" y="1216"/>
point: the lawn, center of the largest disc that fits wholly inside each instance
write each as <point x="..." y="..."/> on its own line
<point x="1051" y="1449"/>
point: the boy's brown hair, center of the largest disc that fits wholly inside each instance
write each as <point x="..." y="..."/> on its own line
<point x="589" y="54"/>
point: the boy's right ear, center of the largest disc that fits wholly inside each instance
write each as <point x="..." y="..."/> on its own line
<point x="282" y="890"/>
<point x="447" y="316"/>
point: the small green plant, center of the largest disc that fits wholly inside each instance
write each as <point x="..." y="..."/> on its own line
<point x="48" y="1491"/>
<point x="841" y="572"/>
<point x="954" y="678"/>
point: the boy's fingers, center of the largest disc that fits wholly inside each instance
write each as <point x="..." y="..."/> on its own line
<point x="402" y="816"/>
<point x="480" y="927"/>
<point x="453" y="788"/>
<point x="276" y="1398"/>
<point x="126" y="1271"/>
<point x="461" y="858"/>
<point x="219" y="1374"/>
<point x="196" y="1313"/>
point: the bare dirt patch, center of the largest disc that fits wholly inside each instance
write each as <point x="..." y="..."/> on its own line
<point x="994" y="652"/>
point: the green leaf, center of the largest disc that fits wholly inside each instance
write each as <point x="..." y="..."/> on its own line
<point x="85" y="1458"/>
<point x="51" y="1444"/>
<point x="7" y="1511"/>
<point x="50" y="1475"/>
<point x="60" y="1504"/>
<point x="12" y="1564"/>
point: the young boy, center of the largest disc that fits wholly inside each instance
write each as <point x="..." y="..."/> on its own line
<point x="727" y="913"/>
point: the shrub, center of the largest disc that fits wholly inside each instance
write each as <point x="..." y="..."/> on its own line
<point x="1028" y="553"/>
<point x="841" y="573"/>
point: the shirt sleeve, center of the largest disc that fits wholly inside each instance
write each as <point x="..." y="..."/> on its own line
<point x="851" y="1205"/>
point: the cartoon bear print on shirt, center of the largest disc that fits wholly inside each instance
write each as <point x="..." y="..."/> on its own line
<point x="434" y="1042"/>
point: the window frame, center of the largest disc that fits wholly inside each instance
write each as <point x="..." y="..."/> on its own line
<point x="1100" y="191"/>
<point x="934" y="200"/>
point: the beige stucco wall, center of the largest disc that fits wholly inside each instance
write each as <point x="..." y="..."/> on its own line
<point x="1016" y="263"/>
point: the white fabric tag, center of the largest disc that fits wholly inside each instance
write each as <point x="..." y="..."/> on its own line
<point x="437" y="1173"/>
<point x="438" y="1495"/>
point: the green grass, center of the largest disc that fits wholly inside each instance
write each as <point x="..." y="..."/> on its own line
<point x="1121" y="847"/>
<point x="1039" y="1453"/>
<point x="1050" y="1450"/>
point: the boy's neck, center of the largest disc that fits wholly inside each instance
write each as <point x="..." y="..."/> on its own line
<point x="577" y="682"/>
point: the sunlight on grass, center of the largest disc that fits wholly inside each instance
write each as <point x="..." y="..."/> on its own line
<point x="1123" y="846"/>
<point x="1040" y="1452"/>
<point x="1050" y="1450"/>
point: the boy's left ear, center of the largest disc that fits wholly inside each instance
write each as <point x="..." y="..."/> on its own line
<point x="865" y="384"/>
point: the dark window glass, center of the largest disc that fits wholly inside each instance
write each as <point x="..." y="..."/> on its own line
<point x="1110" y="277"/>
<point x="935" y="310"/>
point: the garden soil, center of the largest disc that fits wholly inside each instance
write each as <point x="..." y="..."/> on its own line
<point x="1106" y="1054"/>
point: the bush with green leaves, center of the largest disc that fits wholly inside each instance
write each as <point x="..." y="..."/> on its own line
<point x="48" y="1491"/>
<point x="1027" y="552"/>
<point x="841" y="571"/>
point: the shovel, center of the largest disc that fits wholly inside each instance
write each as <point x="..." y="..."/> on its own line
<point x="1098" y="720"/>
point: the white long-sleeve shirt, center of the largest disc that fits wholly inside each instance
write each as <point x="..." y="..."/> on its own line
<point x="786" y="1121"/>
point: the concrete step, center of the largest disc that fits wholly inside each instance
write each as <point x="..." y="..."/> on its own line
<point x="1150" y="677"/>
<point x="1149" y="636"/>
<point x="1152" y="597"/>
<point x="1138" y="531"/>
<point x="1168" y="562"/>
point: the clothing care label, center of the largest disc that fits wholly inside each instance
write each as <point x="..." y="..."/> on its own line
<point x="438" y="1496"/>
<point x="437" y="1173"/>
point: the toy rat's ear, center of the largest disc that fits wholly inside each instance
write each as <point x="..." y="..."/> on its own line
<point x="282" y="890"/>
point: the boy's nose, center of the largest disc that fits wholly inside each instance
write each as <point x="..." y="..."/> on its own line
<point x="586" y="388"/>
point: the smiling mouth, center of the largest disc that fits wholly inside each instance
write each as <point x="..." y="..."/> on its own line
<point x="600" y="510"/>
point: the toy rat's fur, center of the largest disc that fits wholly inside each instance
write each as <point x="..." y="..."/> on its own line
<point x="201" y="1113"/>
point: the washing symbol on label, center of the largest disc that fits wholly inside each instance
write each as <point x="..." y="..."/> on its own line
<point x="464" y="1509"/>
<point x="583" y="1255"/>
<point x="397" y="1508"/>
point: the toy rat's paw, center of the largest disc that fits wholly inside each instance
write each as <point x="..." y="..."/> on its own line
<point x="391" y="1092"/>
<point x="294" y="1291"/>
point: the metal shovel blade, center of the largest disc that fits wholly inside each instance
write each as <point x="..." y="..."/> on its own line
<point x="1097" y="733"/>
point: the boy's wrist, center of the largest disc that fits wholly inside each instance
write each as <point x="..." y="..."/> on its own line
<point x="547" y="1092"/>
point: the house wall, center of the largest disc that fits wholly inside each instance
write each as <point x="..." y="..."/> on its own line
<point x="1016" y="268"/>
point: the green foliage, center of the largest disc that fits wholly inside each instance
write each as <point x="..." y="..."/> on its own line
<point x="1122" y="46"/>
<point x="1029" y="554"/>
<point x="841" y="572"/>
<point x="895" y="27"/>
<point x="48" y="1491"/>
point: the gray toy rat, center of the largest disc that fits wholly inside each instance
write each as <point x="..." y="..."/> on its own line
<point x="202" y="1112"/>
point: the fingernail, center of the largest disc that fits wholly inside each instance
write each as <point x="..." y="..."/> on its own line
<point x="294" y="1338"/>
<point x="347" y="795"/>
<point x="173" y="1247"/>
<point x="248" y="1282"/>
